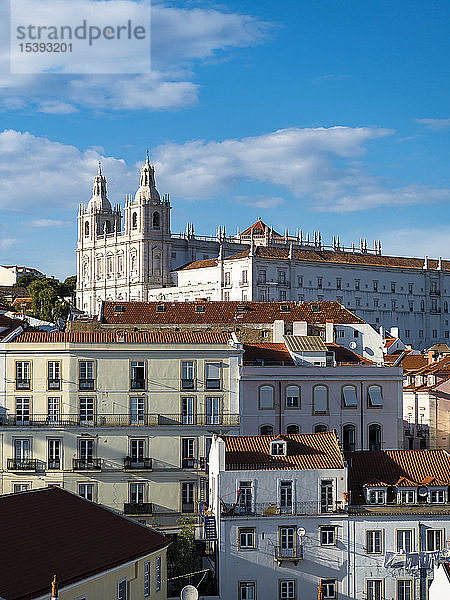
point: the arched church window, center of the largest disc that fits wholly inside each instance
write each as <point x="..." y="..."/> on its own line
<point x="86" y="268"/>
<point x="133" y="261"/>
<point x="86" y="229"/>
<point x="157" y="263"/>
<point x="134" y="220"/>
<point x="156" y="220"/>
<point x="99" y="265"/>
<point x="109" y="265"/>
<point x="120" y="264"/>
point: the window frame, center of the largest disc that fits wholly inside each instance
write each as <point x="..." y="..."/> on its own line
<point x="137" y="364"/>
<point x="121" y="581"/>
<point x="147" y="578"/>
<point x="247" y="584"/>
<point x="298" y="397"/>
<point x="436" y="547"/>
<point x="251" y="533"/>
<point x="399" y="547"/>
<point x="219" y="386"/>
<point x="327" y="410"/>
<point x="260" y="388"/>
<point x="87" y="484"/>
<point x="192" y="387"/>
<point x="327" y="529"/>
<point x="408" y="596"/>
<point x="158" y="574"/>
<point x="87" y="388"/>
<point x="343" y="401"/>
<point x="29" y="379"/>
<point x="370" y="400"/>
<point x="371" y="548"/>
<point x="51" y="368"/>
<point x="287" y="595"/>
<point x="327" y="582"/>
<point x="375" y="596"/>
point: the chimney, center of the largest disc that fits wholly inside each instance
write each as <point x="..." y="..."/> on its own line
<point x="329" y="332"/>
<point x="54" y="588"/>
<point x="300" y="328"/>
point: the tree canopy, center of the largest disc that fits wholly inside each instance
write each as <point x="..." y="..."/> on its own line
<point x="47" y="295"/>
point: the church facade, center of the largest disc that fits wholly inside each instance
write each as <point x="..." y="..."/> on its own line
<point x="134" y="256"/>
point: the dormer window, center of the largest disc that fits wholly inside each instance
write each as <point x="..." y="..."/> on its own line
<point x="418" y="380"/>
<point x="407" y="497"/>
<point x="431" y="379"/>
<point x="119" y="309"/>
<point x="376" y="497"/>
<point x="284" y="308"/>
<point x="278" y="448"/>
<point x="161" y="308"/>
<point x="199" y="308"/>
<point x="437" y="496"/>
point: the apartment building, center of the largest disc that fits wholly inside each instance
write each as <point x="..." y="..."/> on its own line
<point x="358" y="399"/>
<point x="292" y="515"/>
<point x="55" y="544"/>
<point x="122" y="418"/>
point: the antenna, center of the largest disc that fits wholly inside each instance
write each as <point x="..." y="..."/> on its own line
<point x="189" y="592"/>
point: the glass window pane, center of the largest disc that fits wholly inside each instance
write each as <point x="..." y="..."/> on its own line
<point x="320" y="399"/>
<point x="375" y="395"/>
<point x="349" y="395"/>
<point x="266" y="396"/>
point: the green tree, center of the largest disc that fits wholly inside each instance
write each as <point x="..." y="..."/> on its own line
<point x="26" y="280"/>
<point x="46" y="298"/>
<point x="69" y="286"/>
<point x="181" y="556"/>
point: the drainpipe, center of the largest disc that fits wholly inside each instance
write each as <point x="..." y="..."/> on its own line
<point x="279" y="408"/>
<point x="362" y="415"/>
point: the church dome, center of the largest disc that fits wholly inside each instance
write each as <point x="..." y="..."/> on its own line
<point x="99" y="200"/>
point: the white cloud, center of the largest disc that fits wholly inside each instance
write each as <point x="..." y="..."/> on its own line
<point x="6" y="243"/>
<point x="323" y="168"/>
<point x="435" y="124"/>
<point x="432" y="242"/>
<point x="181" y="37"/>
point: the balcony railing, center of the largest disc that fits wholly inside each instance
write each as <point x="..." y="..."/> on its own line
<point x="54" y="384"/>
<point x="187" y="507"/>
<point x="84" y="464"/>
<point x="409" y="430"/>
<point x="54" y="465"/>
<point x="138" y="508"/>
<point x="270" y="509"/>
<point x="22" y="464"/>
<point x="122" y="420"/>
<point x="188" y="384"/>
<point x="86" y="384"/>
<point x="212" y="384"/>
<point x="132" y="463"/>
<point x="289" y="554"/>
<point x="23" y="384"/>
<point x="137" y="384"/>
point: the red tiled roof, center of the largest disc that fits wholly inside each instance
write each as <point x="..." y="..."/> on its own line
<point x="210" y="262"/>
<point x="410" y="362"/>
<point x="269" y="353"/>
<point x="304" y="451"/>
<point x="131" y="337"/>
<point x="390" y="466"/>
<point x="259" y="229"/>
<point x="344" y="355"/>
<point x="9" y="324"/>
<point x="59" y="532"/>
<point x="349" y="258"/>
<point x="173" y="313"/>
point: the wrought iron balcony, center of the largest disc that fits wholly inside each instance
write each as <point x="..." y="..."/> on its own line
<point x="22" y="464"/>
<point x="188" y="384"/>
<point x="54" y="465"/>
<point x="409" y="430"/>
<point x="188" y="463"/>
<point x="133" y="463"/>
<point x="212" y="384"/>
<point x="269" y="509"/>
<point x="86" y="384"/>
<point x="289" y="554"/>
<point x="137" y="384"/>
<point x="121" y="420"/>
<point x="23" y="384"/>
<point x="54" y="384"/>
<point x="138" y="508"/>
<point x="85" y="464"/>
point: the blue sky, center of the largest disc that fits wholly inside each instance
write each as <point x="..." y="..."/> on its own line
<point x="330" y="115"/>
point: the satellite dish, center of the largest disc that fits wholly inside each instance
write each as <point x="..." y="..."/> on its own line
<point x="301" y="532"/>
<point x="353" y="345"/>
<point x="422" y="491"/>
<point x="189" y="592"/>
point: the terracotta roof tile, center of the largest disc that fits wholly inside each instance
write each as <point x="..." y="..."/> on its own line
<point x="259" y="229"/>
<point x="54" y="534"/>
<point x="267" y="353"/>
<point x="133" y="337"/>
<point x="173" y="313"/>
<point x="390" y="466"/>
<point x="304" y="451"/>
<point x="349" y="258"/>
<point x="410" y="362"/>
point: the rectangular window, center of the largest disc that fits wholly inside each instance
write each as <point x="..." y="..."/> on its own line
<point x="282" y="277"/>
<point x="187" y="496"/>
<point x="247" y="590"/>
<point x="137" y="375"/>
<point x="245" y="497"/>
<point x="326" y="495"/>
<point x="286" y="497"/>
<point x="375" y="286"/>
<point x="86" y="450"/>
<point x="357" y="284"/>
<point x="407" y="496"/>
<point x="21" y="487"/>
<point x="147" y="566"/>
<point x="376" y="497"/>
<point x="86" y="411"/>
<point x="246" y="538"/>
<point x="373" y="542"/>
<point x="319" y="282"/>
<point x="407" y="333"/>
<point x="137" y="493"/>
<point x="53" y="454"/>
<point x="393" y="286"/>
<point x="244" y="277"/>
<point x="212" y="376"/>
<point x="434" y="540"/>
<point x="187" y="375"/>
<point x="375" y="302"/>
<point x="411" y="305"/>
<point x="188" y="453"/>
<point x="227" y="278"/>
<point x="320" y="399"/>
<point x="23" y="375"/>
<point x="54" y="375"/>
<point x="393" y="304"/>
<point x="327" y="536"/>
<point x="158" y="574"/>
<point x="137" y="450"/>
<point x="86" y="375"/>
<point x="287" y="589"/>
<point x="287" y="542"/>
<point x="53" y="410"/>
<point x="122" y="590"/>
<point x="358" y="301"/>
<point x="329" y="587"/>
<point x="187" y="410"/>
<point x="299" y="281"/>
<point x="23" y="411"/>
<point x="86" y="491"/>
<point x="292" y="396"/>
<point x="22" y="449"/>
<point x="404" y="589"/>
<point x="421" y="333"/>
<point x="374" y="589"/>
<point x="338" y="283"/>
<point x="437" y="496"/>
<point x="435" y="333"/>
<point x="262" y="276"/>
<point x="213" y="413"/>
<point x="137" y="410"/>
<point x="404" y="540"/>
<point x="375" y="396"/>
<point x="410" y="288"/>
